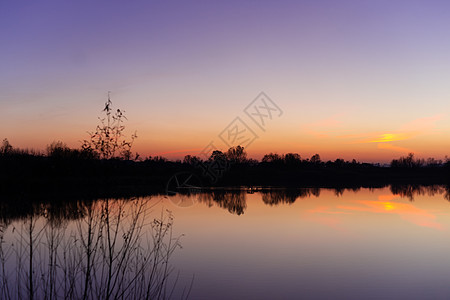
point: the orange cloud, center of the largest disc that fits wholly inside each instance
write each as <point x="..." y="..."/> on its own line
<point x="389" y="137"/>
<point x="406" y="131"/>
<point x="335" y="129"/>
<point x="387" y="146"/>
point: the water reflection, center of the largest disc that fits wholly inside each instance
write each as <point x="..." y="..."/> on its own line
<point x="57" y="210"/>
<point x="105" y="249"/>
<point x="287" y="196"/>
<point x="319" y="243"/>
<point x="306" y="241"/>
<point x="410" y="191"/>
<point x="232" y="200"/>
<point x="235" y="200"/>
<point x="386" y="204"/>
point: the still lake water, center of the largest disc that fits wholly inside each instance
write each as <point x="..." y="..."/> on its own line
<point x="308" y="244"/>
<point x="366" y="244"/>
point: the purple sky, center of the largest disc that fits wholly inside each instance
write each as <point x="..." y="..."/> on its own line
<point x="184" y="69"/>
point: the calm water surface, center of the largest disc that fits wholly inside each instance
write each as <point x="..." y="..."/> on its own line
<point x="310" y="243"/>
<point x="317" y="245"/>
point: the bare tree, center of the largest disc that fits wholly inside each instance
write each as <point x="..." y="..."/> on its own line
<point x="108" y="140"/>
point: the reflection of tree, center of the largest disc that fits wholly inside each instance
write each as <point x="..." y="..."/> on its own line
<point x="281" y="196"/>
<point x="315" y="192"/>
<point x="234" y="201"/>
<point x="355" y="189"/>
<point x="56" y="211"/>
<point x="61" y="212"/>
<point x="447" y="193"/>
<point x="410" y="191"/>
<point x="339" y="191"/>
<point x="112" y="252"/>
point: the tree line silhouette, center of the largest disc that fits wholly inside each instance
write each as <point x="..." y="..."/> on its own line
<point x="61" y="167"/>
<point x="105" y="166"/>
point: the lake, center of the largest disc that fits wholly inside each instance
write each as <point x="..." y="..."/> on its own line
<point x="381" y="243"/>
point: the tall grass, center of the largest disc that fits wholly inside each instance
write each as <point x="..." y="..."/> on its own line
<point x="115" y="251"/>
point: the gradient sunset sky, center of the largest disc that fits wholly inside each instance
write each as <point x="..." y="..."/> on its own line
<point x="355" y="79"/>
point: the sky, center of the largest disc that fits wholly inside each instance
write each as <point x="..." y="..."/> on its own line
<point x="349" y="79"/>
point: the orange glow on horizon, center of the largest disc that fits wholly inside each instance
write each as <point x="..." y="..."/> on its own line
<point x="331" y="138"/>
<point x="387" y="146"/>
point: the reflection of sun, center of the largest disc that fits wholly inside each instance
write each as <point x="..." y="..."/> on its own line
<point x="388" y="206"/>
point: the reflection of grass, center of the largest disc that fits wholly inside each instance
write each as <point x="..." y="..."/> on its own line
<point x="111" y="253"/>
